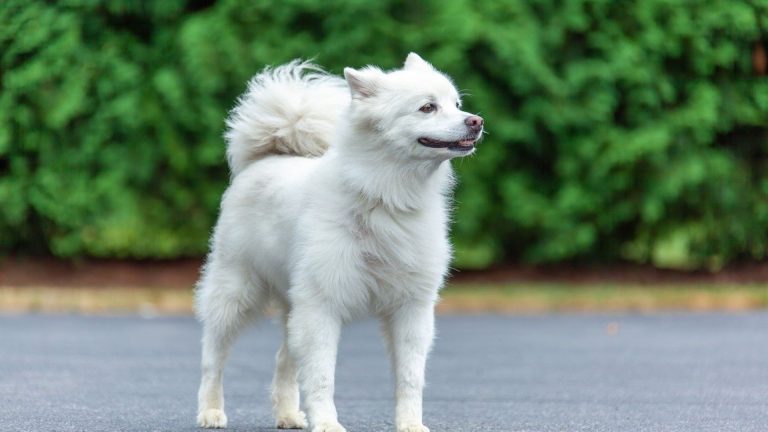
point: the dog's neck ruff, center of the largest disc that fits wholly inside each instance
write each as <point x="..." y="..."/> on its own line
<point x="400" y="185"/>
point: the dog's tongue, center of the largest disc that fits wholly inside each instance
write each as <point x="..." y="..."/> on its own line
<point x="466" y="142"/>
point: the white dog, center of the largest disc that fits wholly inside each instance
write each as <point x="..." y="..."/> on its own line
<point x="338" y="208"/>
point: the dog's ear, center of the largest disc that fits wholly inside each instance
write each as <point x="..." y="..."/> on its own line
<point x="363" y="82"/>
<point x="414" y="61"/>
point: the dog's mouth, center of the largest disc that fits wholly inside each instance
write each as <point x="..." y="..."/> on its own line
<point x="465" y="144"/>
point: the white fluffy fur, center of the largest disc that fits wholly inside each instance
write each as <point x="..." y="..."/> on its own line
<point x="293" y="109"/>
<point x="360" y="230"/>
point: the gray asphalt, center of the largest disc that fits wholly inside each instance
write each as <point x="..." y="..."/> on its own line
<point x="681" y="372"/>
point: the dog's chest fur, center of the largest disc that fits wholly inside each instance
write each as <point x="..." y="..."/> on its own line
<point x="405" y="253"/>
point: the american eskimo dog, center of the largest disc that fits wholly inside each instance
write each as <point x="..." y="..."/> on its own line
<point x="337" y="208"/>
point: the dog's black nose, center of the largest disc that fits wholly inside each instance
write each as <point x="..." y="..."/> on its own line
<point x="474" y="122"/>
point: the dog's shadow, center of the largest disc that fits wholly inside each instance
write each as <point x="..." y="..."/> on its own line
<point x="235" y="428"/>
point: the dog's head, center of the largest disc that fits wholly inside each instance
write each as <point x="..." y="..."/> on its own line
<point x="416" y="109"/>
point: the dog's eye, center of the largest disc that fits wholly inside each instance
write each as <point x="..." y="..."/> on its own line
<point x="428" y="108"/>
<point x="458" y="105"/>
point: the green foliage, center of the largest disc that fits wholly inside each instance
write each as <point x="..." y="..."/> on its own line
<point x="617" y="130"/>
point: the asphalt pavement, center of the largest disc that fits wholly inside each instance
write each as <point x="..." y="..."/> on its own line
<point x="669" y="372"/>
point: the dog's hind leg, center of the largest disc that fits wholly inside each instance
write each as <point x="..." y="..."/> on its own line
<point x="285" y="389"/>
<point x="224" y="305"/>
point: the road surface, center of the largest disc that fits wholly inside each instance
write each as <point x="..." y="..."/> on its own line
<point x="678" y="372"/>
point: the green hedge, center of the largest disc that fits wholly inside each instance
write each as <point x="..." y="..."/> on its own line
<point x="618" y="130"/>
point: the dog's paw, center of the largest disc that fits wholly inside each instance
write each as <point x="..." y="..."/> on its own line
<point x="412" y="428"/>
<point x="212" y="419"/>
<point x="328" y="427"/>
<point x="292" y="420"/>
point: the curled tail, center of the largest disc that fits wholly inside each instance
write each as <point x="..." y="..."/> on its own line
<point x="291" y="109"/>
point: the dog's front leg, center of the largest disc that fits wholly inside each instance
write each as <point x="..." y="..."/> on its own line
<point x="409" y="332"/>
<point x="313" y="338"/>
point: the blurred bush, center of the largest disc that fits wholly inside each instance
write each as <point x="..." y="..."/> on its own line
<point x="630" y="130"/>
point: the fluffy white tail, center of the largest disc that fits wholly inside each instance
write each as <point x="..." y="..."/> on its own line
<point x="291" y="109"/>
